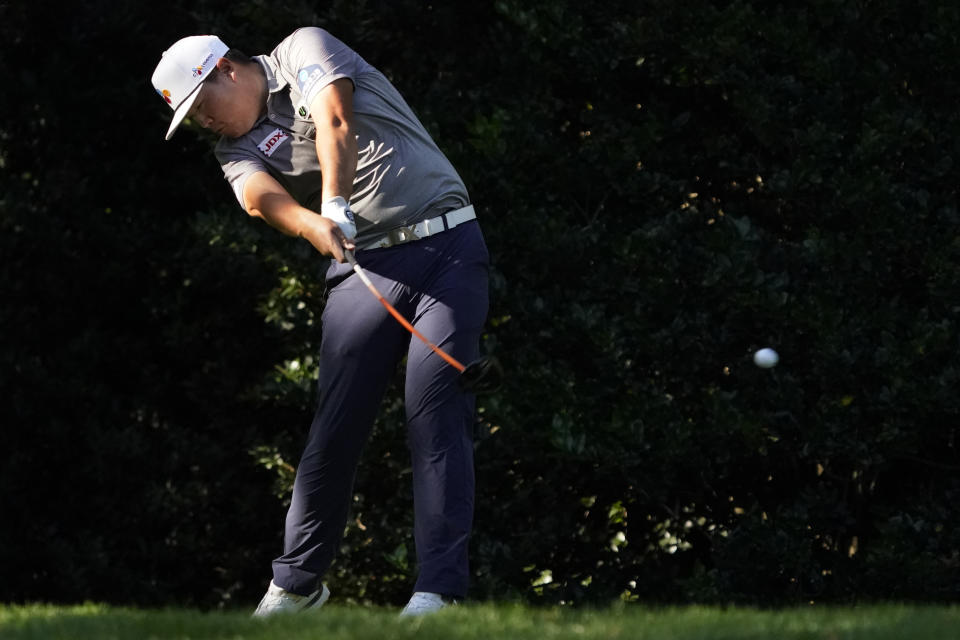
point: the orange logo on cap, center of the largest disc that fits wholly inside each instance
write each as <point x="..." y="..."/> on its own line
<point x="165" y="94"/>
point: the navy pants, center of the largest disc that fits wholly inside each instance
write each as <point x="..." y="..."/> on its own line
<point x="439" y="284"/>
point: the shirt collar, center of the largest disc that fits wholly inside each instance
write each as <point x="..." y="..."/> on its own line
<point x="274" y="83"/>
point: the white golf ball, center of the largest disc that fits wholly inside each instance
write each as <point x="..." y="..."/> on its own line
<point x="766" y="358"/>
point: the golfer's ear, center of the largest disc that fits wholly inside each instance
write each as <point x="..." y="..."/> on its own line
<point x="226" y="66"/>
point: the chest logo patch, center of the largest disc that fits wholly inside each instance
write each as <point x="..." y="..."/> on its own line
<point x="273" y="141"/>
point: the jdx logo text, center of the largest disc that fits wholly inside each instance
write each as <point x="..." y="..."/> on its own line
<point x="270" y="144"/>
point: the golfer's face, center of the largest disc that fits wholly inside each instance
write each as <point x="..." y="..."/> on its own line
<point x="222" y="106"/>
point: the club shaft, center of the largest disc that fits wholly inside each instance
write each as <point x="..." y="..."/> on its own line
<point x="453" y="362"/>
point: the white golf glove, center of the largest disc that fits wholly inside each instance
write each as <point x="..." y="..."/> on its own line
<point x="338" y="210"/>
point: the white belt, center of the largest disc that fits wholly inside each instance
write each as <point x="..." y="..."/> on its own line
<point x="423" y="229"/>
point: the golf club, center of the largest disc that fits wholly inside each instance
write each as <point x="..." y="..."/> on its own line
<point x="483" y="375"/>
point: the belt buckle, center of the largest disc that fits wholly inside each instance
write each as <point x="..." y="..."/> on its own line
<point x="401" y="235"/>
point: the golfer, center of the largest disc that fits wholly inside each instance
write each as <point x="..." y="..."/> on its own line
<point x="319" y="144"/>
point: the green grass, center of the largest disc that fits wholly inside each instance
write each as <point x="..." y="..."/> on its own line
<point x="487" y="622"/>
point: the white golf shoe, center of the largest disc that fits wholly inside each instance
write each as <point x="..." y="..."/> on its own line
<point x="422" y="603"/>
<point x="279" y="600"/>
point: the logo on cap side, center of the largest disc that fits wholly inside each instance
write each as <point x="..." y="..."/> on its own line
<point x="198" y="70"/>
<point x="165" y="94"/>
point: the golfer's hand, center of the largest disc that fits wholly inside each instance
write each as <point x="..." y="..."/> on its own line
<point x="327" y="238"/>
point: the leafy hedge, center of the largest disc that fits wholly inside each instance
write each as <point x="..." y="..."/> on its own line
<point x="664" y="188"/>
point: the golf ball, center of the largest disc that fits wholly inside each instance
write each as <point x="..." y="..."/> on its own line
<point x="766" y="358"/>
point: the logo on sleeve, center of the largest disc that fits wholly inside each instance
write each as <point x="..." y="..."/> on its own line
<point x="308" y="77"/>
<point x="273" y="141"/>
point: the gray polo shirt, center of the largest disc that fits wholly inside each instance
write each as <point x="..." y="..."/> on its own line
<point x="402" y="177"/>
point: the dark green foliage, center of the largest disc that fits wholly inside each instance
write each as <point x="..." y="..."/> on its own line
<point x="664" y="188"/>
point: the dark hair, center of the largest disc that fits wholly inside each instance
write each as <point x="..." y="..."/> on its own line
<point x="235" y="55"/>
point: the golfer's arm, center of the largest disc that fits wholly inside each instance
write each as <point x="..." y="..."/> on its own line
<point x="332" y="113"/>
<point x="264" y="197"/>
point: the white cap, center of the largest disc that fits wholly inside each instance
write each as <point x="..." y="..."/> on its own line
<point x="182" y="70"/>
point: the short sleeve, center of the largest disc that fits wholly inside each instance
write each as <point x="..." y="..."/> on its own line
<point x="237" y="167"/>
<point x="314" y="59"/>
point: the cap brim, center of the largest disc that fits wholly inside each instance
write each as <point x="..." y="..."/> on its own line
<point x="181" y="112"/>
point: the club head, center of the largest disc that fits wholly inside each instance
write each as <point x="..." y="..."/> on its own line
<point x="483" y="375"/>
